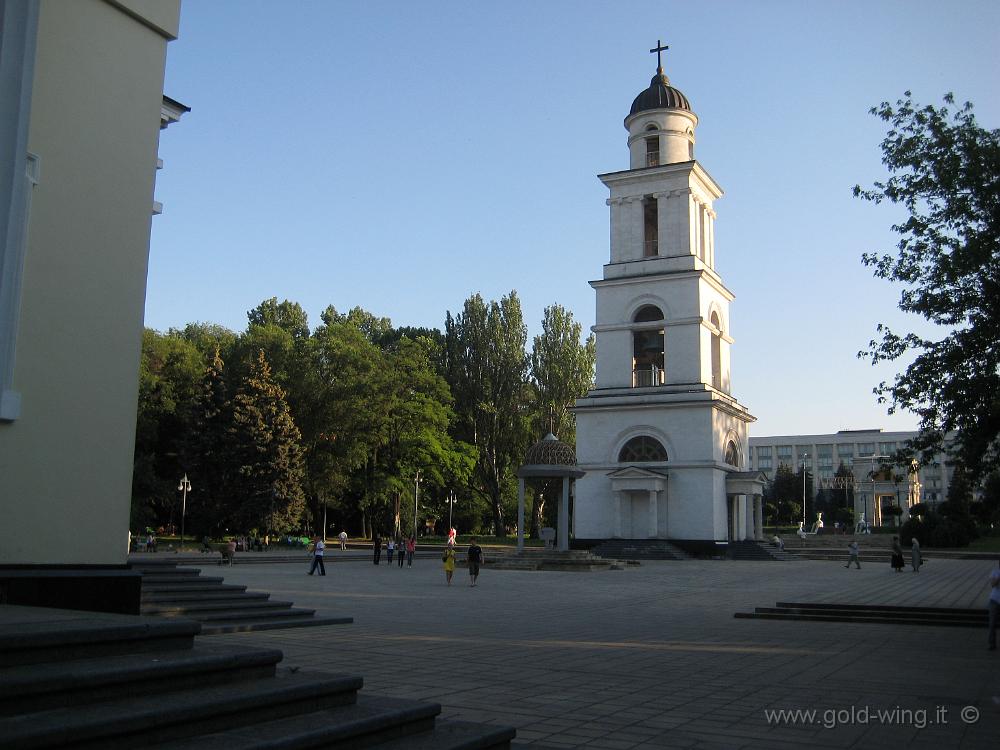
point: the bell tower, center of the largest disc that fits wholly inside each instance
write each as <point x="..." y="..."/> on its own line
<point x="661" y="406"/>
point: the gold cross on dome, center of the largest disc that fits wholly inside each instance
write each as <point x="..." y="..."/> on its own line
<point x="660" y="47"/>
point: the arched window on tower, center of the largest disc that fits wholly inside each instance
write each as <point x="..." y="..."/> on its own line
<point x="733" y="454"/>
<point x="650" y="227"/>
<point x="652" y="147"/>
<point x="647" y="349"/>
<point x="716" y="351"/>
<point x="642" y="449"/>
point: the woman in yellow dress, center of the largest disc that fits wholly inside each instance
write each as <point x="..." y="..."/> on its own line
<point x="448" y="557"/>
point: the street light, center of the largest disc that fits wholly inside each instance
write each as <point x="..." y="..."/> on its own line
<point x="451" y="504"/>
<point x="185" y="487"/>
<point x="416" y="496"/>
<point x="802" y="464"/>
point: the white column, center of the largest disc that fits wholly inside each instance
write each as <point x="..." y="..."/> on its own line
<point x="758" y="508"/>
<point x="564" y="517"/>
<point x="710" y="253"/>
<point x="618" y="513"/>
<point x="634" y="229"/>
<point x="617" y="233"/>
<point x="652" y="513"/>
<point x="694" y="239"/>
<point x="520" y="514"/>
<point x="751" y="516"/>
<point x="662" y="223"/>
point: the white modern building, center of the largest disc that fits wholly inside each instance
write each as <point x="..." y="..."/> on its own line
<point x="661" y="437"/>
<point x="863" y="451"/>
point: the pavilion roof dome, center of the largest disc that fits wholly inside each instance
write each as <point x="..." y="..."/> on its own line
<point x="550" y="451"/>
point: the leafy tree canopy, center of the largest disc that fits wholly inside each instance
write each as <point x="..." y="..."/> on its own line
<point x="945" y="172"/>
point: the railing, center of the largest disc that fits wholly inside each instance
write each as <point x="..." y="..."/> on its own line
<point x="652" y="158"/>
<point x="647" y="377"/>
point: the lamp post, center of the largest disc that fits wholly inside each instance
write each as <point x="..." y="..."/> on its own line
<point x="802" y="464"/>
<point x="185" y="488"/>
<point x="451" y="505"/>
<point x="416" y="496"/>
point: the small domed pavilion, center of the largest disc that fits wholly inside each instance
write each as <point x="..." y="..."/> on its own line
<point x="548" y="458"/>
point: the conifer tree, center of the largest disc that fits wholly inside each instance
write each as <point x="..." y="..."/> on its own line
<point x="206" y="454"/>
<point x="268" y="456"/>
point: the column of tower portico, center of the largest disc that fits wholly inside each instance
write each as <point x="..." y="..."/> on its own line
<point x="617" y="229"/>
<point x="674" y="223"/>
<point x="751" y="511"/>
<point x="694" y="236"/>
<point x="617" y="502"/>
<point x="652" y="514"/>
<point x="758" y="512"/>
<point x="663" y="224"/>
<point x="636" y="226"/>
<point x="710" y="250"/>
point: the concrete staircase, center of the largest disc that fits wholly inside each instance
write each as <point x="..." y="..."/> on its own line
<point x="870" y="613"/>
<point x="171" y="591"/>
<point x="538" y="558"/>
<point x="73" y="679"/>
<point x="639" y="549"/>
<point x="751" y="550"/>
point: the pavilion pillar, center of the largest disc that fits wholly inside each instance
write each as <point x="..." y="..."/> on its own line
<point x="618" y="513"/>
<point x="520" y="514"/>
<point x="652" y="514"/>
<point x="758" y="517"/>
<point x="563" y="540"/>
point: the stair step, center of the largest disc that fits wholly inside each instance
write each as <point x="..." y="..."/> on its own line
<point x="165" y="588"/>
<point x="195" y="608"/>
<point x="30" y="635"/>
<point x="142" y="720"/>
<point x="286" y="612"/>
<point x="203" y="596"/>
<point x="219" y="627"/>
<point x="160" y="580"/>
<point x="41" y="686"/>
<point x="887" y="620"/>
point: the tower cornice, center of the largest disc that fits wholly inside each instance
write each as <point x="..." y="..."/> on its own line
<point x="645" y="174"/>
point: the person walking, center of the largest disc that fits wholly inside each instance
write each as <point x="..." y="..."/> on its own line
<point x="916" y="559"/>
<point x="377" y="548"/>
<point x="853" y="551"/>
<point x="318" y="548"/>
<point x="475" y="558"/>
<point x="411" y="547"/>
<point x="343" y="540"/>
<point x="994" y="606"/>
<point x="897" y="555"/>
<point x="448" y="558"/>
<point x="390" y="547"/>
<point x="401" y="552"/>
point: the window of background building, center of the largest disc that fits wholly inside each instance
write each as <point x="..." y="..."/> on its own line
<point x="866" y="449"/>
<point x="886" y="449"/>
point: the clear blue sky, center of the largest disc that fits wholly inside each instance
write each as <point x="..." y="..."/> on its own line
<point x="401" y="156"/>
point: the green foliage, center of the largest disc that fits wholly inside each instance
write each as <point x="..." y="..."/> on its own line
<point x="944" y="172"/>
<point x="562" y="370"/>
<point x="487" y="368"/>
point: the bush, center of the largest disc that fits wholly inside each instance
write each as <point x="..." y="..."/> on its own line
<point x="948" y="533"/>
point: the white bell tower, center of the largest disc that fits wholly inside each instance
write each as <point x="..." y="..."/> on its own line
<point x="660" y="434"/>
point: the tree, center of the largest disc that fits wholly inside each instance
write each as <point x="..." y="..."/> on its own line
<point x="785" y="494"/>
<point x="945" y="172"/>
<point x="487" y="371"/>
<point x="268" y="482"/>
<point x="169" y="372"/>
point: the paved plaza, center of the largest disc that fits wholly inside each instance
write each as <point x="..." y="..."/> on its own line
<point x="651" y="656"/>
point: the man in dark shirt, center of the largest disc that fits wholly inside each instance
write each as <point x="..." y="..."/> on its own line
<point x="475" y="556"/>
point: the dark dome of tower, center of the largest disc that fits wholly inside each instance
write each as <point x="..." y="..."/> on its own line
<point x="550" y="452"/>
<point x="659" y="95"/>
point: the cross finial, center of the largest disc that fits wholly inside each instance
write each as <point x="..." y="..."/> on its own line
<point x="660" y="47"/>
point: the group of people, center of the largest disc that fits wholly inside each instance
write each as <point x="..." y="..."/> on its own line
<point x="897" y="562"/>
<point x="474" y="556"/>
<point x="401" y="549"/>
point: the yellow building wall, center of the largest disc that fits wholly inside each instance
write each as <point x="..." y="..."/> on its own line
<point x="66" y="462"/>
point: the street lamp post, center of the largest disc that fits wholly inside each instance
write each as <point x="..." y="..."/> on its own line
<point x="451" y="505"/>
<point x="416" y="496"/>
<point x="185" y="488"/>
<point x="802" y="464"/>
